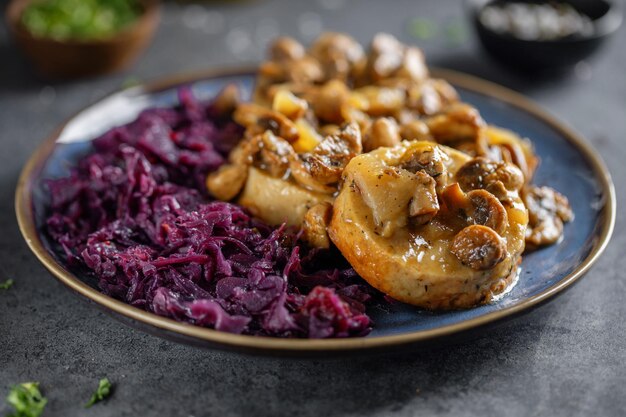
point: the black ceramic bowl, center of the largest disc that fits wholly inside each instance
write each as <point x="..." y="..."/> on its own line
<point x="558" y="54"/>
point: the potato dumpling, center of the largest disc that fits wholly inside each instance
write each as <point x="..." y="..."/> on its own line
<point x="463" y="253"/>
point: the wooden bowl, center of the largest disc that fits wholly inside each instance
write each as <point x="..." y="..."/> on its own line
<point x="79" y="58"/>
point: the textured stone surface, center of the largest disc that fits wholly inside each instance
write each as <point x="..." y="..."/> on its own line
<point x="565" y="359"/>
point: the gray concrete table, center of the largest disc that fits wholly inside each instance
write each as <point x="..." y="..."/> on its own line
<point x="567" y="358"/>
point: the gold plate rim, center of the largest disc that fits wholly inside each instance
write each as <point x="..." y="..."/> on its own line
<point x="25" y="218"/>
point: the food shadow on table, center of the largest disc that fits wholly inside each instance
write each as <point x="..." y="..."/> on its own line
<point x="313" y="386"/>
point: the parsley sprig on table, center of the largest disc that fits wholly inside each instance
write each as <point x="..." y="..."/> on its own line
<point x="27" y="400"/>
<point x="103" y="391"/>
<point x="5" y="285"/>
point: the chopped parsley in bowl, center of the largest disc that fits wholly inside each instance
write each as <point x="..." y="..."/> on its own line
<point x="77" y="38"/>
<point x="79" y="19"/>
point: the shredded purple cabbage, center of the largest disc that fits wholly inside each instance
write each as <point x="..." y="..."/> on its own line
<point x="135" y="213"/>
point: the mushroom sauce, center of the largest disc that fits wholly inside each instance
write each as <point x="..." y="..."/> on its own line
<point x="367" y="152"/>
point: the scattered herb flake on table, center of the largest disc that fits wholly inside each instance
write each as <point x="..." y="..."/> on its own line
<point x="102" y="392"/>
<point x="27" y="400"/>
<point x="422" y="28"/>
<point x="5" y="285"/>
<point x="456" y="33"/>
<point x="131" y="81"/>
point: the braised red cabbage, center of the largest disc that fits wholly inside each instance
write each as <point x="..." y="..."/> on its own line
<point x="134" y="213"/>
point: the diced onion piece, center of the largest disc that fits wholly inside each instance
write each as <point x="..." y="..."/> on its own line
<point x="289" y="105"/>
<point x="308" y="139"/>
<point x="382" y="100"/>
<point x="358" y="101"/>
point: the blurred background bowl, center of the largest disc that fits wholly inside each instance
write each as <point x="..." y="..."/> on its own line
<point x="550" y="54"/>
<point x="78" y="58"/>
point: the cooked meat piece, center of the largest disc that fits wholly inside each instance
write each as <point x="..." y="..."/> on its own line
<point x="279" y="125"/>
<point x="430" y="96"/>
<point x="385" y="57"/>
<point x="265" y="150"/>
<point x="457" y="122"/>
<point x="301" y="173"/>
<point x="328" y="159"/>
<point x="306" y="70"/>
<point x="272" y="72"/>
<point x="479" y="247"/>
<point x="424" y="99"/>
<point x="335" y="56"/>
<point x="387" y="191"/>
<point x="382" y="101"/>
<point x="285" y="48"/>
<point x="247" y="149"/>
<point x="382" y="132"/>
<point x="430" y="161"/>
<point x="327" y="101"/>
<point x="329" y="130"/>
<point x="413" y="65"/>
<point x="337" y="53"/>
<point x="276" y="200"/>
<point x="225" y="183"/>
<point x="415" y="130"/>
<point x="446" y="92"/>
<point x="547" y="211"/>
<point x="258" y="119"/>
<point x="274" y="155"/>
<point x="227" y="100"/>
<point x="403" y="190"/>
<point x="316" y="220"/>
<point x="346" y="142"/>
<point x="424" y="205"/>
<point x="390" y="58"/>
<point x="293" y="74"/>
<point x="325" y="169"/>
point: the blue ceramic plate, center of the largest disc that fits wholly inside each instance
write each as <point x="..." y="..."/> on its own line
<point x="568" y="163"/>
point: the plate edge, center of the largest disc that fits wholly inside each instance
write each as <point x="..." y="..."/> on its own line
<point x="24" y="214"/>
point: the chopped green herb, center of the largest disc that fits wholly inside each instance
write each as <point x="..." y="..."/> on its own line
<point x="27" y="400"/>
<point x="131" y="82"/>
<point x="455" y="33"/>
<point x="103" y="391"/>
<point x="422" y="28"/>
<point x="79" y="19"/>
<point x="6" y="284"/>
